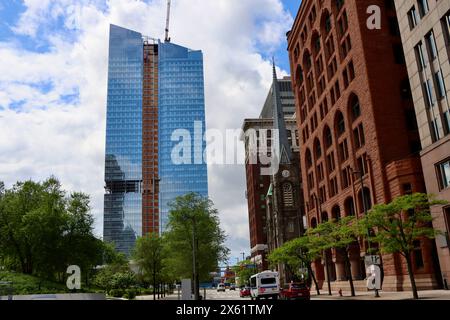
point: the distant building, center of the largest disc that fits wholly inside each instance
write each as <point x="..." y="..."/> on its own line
<point x="154" y="89"/>
<point x="425" y="31"/>
<point x="264" y="234"/>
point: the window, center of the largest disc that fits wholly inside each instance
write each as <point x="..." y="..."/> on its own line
<point x="434" y="130"/>
<point x="330" y="162"/>
<point x="346" y="46"/>
<point x="442" y="92"/>
<point x="346" y="178"/>
<point x="356" y="109"/>
<point x="444" y="174"/>
<point x="328" y="24"/>
<point x="407" y="188"/>
<point x="359" y="138"/>
<point x="333" y="187"/>
<point x="429" y="99"/>
<point x="420" y="56"/>
<point x="412" y="18"/>
<point x="328" y="137"/>
<point x="431" y="42"/>
<point x="288" y="195"/>
<point x="362" y="164"/>
<point x="418" y="257"/>
<point x="423" y="7"/>
<point x="339" y="4"/>
<point x="343" y="151"/>
<point x="311" y="180"/>
<point x="322" y="195"/>
<point x="340" y="124"/>
<point x="446" y="26"/>
<point x="447" y="120"/>
<point x="318" y="149"/>
<point x="320" y="174"/>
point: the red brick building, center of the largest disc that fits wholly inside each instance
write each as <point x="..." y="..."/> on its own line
<point x="356" y="119"/>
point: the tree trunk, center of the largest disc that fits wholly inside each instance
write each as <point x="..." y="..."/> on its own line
<point x="349" y="272"/>
<point x="154" y="285"/>
<point x="411" y="276"/>
<point x="310" y="271"/>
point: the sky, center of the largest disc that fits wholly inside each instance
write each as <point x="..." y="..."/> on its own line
<point x="53" y="85"/>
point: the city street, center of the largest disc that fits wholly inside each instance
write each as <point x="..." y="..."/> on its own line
<point x="234" y="295"/>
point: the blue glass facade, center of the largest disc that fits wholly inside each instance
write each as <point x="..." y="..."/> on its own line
<point x="181" y="104"/>
<point x="123" y="165"/>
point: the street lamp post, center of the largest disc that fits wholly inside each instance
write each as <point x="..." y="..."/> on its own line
<point x="365" y="209"/>
<point x="327" y="269"/>
<point x="243" y="256"/>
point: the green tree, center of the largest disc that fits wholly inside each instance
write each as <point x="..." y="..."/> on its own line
<point x="43" y="231"/>
<point x="148" y="254"/>
<point x="340" y="235"/>
<point x="402" y="222"/>
<point x="194" y="230"/>
<point x="298" y="253"/>
<point x="244" y="272"/>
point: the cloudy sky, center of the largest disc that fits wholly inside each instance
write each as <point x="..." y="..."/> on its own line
<point x="53" y="77"/>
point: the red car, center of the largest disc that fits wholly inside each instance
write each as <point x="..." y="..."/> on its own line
<point x="292" y="291"/>
<point x="244" y="292"/>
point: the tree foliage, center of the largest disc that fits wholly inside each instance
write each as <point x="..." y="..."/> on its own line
<point x="188" y="215"/>
<point x="402" y="222"/>
<point x="43" y="230"/>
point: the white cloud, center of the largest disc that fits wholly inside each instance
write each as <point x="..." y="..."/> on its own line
<point x="53" y="136"/>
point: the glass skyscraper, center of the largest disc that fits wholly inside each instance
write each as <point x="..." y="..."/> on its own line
<point x="153" y="90"/>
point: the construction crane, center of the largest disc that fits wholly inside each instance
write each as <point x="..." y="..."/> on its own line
<point x="168" y="21"/>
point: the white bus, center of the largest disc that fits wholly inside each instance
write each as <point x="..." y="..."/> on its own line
<point x="265" y="285"/>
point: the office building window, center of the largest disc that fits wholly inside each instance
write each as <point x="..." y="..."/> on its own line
<point x="443" y="170"/>
<point x="446" y="26"/>
<point x="434" y="131"/>
<point x="429" y="98"/>
<point x="447" y="121"/>
<point x="413" y="18"/>
<point x="343" y="151"/>
<point x="431" y="42"/>
<point x="423" y="7"/>
<point x="422" y="63"/>
<point x="441" y="90"/>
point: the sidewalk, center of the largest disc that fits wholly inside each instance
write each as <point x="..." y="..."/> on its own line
<point x="384" y="295"/>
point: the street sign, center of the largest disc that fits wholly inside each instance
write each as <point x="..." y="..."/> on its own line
<point x="372" y="260"/>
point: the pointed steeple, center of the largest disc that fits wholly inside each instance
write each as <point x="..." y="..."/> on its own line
<point x="279" y="122"/>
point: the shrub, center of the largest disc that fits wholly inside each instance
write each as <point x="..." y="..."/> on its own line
<point x="116" y="293"/>
<point x="130" y="294"/>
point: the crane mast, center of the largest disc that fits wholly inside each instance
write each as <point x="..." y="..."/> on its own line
<point x="168" y="21"/>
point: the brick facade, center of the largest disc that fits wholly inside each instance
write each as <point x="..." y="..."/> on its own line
<point x="352" y="112"/>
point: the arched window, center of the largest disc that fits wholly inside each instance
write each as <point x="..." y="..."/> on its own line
<point x="336" y="213"/>
<point x="317" y="148"/>
<point x="313" y="223"/>
<point x="340" y="123"/>
<point x="349" y="207"/>
<point x="307" y="61"/>
<point x="355" y="107"/>
<point x="288" y="195"/>
<point x="315" y="42"/>
<point x="327" y="137"/>
<point x="325" y="22"/>
<point x="324" y="217"/>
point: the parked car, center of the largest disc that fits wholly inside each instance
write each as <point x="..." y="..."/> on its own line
<point x="232" y="287"/>
<point x="299" y="291"/>
<point x="245" y="292"/>
<point x="220" y="287"/>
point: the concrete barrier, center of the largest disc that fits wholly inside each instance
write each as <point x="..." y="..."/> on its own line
<point x="69" y="296"/>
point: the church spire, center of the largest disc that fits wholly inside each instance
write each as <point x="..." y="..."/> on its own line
<point x="279" y="122"/>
